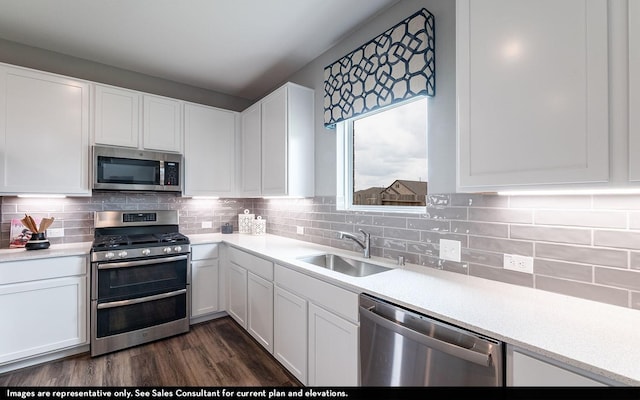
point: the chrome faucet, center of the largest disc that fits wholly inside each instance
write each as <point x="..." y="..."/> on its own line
<point x="365" y="243"/>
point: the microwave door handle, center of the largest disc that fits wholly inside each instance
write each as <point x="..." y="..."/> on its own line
<point x="161" y="173"/>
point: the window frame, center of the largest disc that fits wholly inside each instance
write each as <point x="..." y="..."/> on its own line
<point x="344" y="173"/>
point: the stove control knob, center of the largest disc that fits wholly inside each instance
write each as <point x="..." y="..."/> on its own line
<point x="109" y="255"/>
<point x="146" y="252"/>
<point x="177" y="249"/>
<point x="167" y="250"/>
<point x="122" y="254"/>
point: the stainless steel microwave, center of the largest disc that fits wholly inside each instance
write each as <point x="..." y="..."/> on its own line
<point x="117" y="168"/>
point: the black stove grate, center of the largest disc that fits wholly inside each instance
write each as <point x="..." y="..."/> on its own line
<point x="101" y="242"/>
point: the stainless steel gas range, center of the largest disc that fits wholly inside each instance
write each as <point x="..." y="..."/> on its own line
<point x="140" y="279"/>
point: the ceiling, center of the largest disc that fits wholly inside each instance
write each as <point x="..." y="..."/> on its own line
<point x="237" y="47"/>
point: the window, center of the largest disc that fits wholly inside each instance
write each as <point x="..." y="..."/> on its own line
<point x="382" y="159"/>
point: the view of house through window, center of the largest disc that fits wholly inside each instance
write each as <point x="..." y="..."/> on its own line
<point x="390" y="156"/>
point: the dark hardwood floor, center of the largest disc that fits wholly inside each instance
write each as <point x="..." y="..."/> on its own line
<point x="213" y="353"/>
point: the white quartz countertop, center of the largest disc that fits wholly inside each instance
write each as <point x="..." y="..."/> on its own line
<point x="55" y="250"/>
<point x="593" y="336"/>
<point x="589" y="335"/>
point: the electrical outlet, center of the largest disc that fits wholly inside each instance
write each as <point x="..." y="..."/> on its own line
<point x="518" y="263"/>
<point x="300" y="230"/>
<point x="450" y="250"/>
<point x="55" y="232"/>
<point x="207" y="224"/>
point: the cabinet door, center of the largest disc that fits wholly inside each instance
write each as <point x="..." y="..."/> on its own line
<point x="532" y="91"/>
<point x="237" y="304"/>
<point x="162" y="125"/>
<point x="44" y="131"/>
<point x="634" y="90"/>
<point x="117" y="116"/>
<point x="274" y="143"/>
<point x="290" y="332"/>
<point x="333" y="349"/>
<point x="527" y="370"/>
<point x="204" y="287"/>
<point x="209" y="151"/>
<point x="251" y="154"/>
<point x="260" y="310"/>
<point x="42" y="316"/>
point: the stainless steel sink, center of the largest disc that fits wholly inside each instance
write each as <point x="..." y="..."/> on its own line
<point x="344" y="265"/>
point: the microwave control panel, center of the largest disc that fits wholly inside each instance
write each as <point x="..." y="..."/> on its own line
<point x="171" y="174"/>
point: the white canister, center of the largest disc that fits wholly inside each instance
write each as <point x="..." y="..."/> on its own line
<point x="259" y="226"/>
<point x="245" y="222"/>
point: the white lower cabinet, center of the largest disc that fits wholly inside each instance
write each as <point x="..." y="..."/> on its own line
<point x="237" y="303"/>
<point x="290" y="332"/>
<point x="250" y="294"/>
<point x="316" y="329"/>
<point x="260" y="310"/>
<point x="527" y="369"/>
<point x="204" y="280"/>
<point x="333" y="349"/>
<point x="44" y="307"/>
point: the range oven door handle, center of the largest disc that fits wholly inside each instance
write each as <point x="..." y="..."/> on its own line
<point x="126" y="264"/>
<point x="122" y="303"/>
<point x="426" y="340"/>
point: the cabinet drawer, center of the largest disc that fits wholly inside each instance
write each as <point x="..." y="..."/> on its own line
<point x="42" y="268"/>
<point x="204" y="251"/>
<point x="333" y="298"/>
<point x="257" y="265"/>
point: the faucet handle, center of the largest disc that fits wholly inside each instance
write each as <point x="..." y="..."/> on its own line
<point x="364" y="233"/>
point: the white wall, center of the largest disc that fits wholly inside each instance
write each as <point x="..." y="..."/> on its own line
<point x="442" y="118"/>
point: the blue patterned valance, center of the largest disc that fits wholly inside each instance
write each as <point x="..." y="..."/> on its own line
<point x="397" y="65"/>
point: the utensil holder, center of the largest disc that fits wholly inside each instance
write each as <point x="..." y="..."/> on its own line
<point x="259" y="226"/>
<point x="38" y="241"/>
<point x="245" y="222"/>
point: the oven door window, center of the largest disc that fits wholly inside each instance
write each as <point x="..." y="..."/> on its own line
<point x="128" y="170"/>
<point x="127" y="318"/>
<point x="131" y="280"/>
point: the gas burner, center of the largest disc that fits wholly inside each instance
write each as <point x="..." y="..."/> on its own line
<point x="172" y="237"/>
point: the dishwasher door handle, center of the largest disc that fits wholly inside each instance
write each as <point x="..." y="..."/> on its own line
<point x="445" y="347"/>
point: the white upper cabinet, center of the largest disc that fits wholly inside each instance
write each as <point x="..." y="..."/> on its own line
<point x="117" y="116"/>
<point x="162" y="126"/>
<point x="634" y="90"/>
<point x="209" y="150"/>
<point x="250" y="153"/>
<point x="138" y="120"/>
<point x="532" y="93"/>
<point x="285" y="163"/>
<point x="44" y="133"/>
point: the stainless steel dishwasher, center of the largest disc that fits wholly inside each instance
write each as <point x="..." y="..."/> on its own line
<point x="400" y="347"/>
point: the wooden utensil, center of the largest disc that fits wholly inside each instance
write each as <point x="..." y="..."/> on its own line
<point x="28" y="222"/>
<point x="45" y="223"/>
<point x="33" y="223"/>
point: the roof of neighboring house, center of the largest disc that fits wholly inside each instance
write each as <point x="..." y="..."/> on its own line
<point x="371" y="190"/>
<point x="417" y="187"/>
